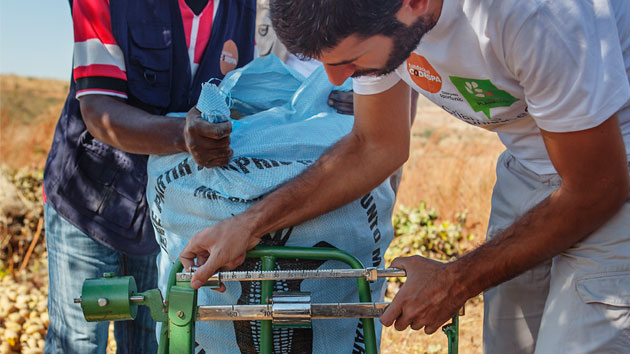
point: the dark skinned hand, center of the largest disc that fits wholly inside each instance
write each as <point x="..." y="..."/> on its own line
<point x="208" y="143"/>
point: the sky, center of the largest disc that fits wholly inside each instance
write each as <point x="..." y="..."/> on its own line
<point x="36" y="38"/>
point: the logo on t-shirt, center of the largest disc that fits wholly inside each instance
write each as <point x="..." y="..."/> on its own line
<point x="482" y="95"/>
<point x="229" y="57"/>
<point x="423" y="74"/>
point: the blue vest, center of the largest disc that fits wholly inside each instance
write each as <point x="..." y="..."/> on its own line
<point x="101" y="189"/>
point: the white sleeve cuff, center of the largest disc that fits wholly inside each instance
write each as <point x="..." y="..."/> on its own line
<point x="103" y="92"/>
<point x="370" y="85"/>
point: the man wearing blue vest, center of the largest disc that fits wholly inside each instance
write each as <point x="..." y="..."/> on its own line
<point x="134" y="62"/>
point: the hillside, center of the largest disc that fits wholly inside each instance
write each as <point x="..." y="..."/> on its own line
<point x="29" y="109"/>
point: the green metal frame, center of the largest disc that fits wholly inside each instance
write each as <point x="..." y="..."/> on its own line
<point x="269" y="254"/>
<point x="180" y="296"/>
<point x="178" y="311"/>
<point x="452" y="333"/>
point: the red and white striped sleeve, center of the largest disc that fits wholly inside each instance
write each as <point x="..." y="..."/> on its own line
<point x="99" y="64"/>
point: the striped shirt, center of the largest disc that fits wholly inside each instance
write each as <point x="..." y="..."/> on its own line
<point x="99" y="64"/>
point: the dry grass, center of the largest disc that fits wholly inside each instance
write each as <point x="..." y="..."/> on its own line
<point x="451" y="167"/>
<point x="29" y="109"/>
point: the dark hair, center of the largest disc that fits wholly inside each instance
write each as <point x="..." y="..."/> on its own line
<point x="308" y="27"/>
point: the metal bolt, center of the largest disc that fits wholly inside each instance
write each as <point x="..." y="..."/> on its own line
<point x="181" y="314"/>
<point x="77" y="300"/>
<point x="136" y="298"/>
<point x="102" y="302"/>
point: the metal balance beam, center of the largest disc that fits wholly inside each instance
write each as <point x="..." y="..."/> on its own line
<point x="114" y="298"/>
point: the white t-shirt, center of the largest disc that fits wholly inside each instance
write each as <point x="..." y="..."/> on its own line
<point x="512" y="66"/>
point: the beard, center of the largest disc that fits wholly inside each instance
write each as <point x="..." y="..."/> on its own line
<point x="405" y="40"/>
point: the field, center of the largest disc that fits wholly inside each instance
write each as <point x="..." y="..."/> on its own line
<point x="451" y="169"/>
<point x="29" y="109"/>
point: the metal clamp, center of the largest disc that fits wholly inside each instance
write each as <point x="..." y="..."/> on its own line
<point x="371" y="274"/>
<point x="291" y="309"/>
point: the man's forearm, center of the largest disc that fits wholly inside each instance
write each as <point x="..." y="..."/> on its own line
<point x="330" y="183"/>
<point x="593" y="167"/>
<point x="326" y="185"/>
<point x="554" y="225"/>
<point x="131" y="129"/>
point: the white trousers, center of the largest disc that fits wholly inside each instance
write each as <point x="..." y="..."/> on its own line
<point x="577" y="302"/>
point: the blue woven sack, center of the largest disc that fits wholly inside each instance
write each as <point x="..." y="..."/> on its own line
<point x="288" y="127"/>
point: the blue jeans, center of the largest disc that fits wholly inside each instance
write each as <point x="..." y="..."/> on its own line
<point x="73" y="257"/>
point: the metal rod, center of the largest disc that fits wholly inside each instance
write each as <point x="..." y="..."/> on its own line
<point x="132" y="299"/>
<point x="367" y="273"/>
<point x="348" y="310"/>
<point x="235" y="313"/>
<point x="136" y="298"/>
<point x="265" y="312"/>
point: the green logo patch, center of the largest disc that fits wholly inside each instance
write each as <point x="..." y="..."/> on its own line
<point x="482" y="95"/>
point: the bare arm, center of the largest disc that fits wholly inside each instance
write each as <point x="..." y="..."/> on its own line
<point x="377" y="145"/>
<point x="593" y="167"/>
<point x="130" y="129"/>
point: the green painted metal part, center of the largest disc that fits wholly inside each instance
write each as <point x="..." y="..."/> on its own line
<point x="322" y="253"/>
<point x="107" y="299"/>
<point x="163" y="345"/>
<point x="153" y="300"/>
<point x="266" y="328"/>
<point x="452" y="333"/>
<point x="182" y="305"/>
<point x="178" y="312"/>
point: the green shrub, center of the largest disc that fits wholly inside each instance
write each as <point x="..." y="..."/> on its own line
<point x="417" y="231"/>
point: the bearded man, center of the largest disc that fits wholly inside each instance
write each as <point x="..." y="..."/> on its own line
<point x="551" y="79"/>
